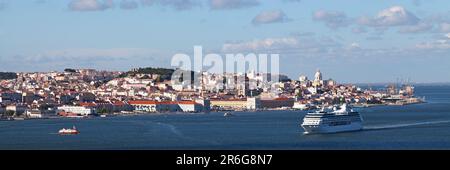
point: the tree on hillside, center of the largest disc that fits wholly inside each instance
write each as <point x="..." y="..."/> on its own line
<point x="7" y="75"/>
<point x="69" y="70"/>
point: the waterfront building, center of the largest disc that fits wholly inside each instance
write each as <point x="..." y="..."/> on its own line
<point x="79" y="110"/>
<point x="237" y="104"/>
<point x="301" y="106"/>
<point x="189" y="106"/>
<point x="2" y="109"/>
<point x="143" y="105"/>
<point x="184" y="106"/>
<point x="278" y="103"/>
<point x="205" y="103"/>
<point x="18" y="109"/>
<point x="10" y="97"/>
<point x="34" y="114"/>
<point x="119" y="106"/>
<point x="253" y="103"/>
<point x="170" y="106"/>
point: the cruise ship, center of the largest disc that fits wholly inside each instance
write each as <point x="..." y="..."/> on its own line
<point x="339" y="119"/>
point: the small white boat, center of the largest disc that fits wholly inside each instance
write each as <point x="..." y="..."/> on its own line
<point x="72" y="131"/>
<point x="227" y="114"/>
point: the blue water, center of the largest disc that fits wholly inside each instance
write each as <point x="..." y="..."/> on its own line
<point x="421" y="126"/>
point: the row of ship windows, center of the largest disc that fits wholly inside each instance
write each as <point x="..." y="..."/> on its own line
<point x="328" y="116"/>
<point x="337" y="119"/>
<point x="331" y="122"/>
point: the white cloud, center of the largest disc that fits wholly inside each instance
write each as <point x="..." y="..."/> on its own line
<point x="264" y="44"/>
<point x="444" y="27"/>
<point x="332" y="19"/>
<point x="418" y="28"/>
<point x="359" y="30"/>
<point x="393" y="16"/>
<point x="440" y="44"/>
<point x="447" y="35"/>
<point x="107" y="58"/>
<point x="267" y="17"/>
<point x="291" y="45"/>
<point x="92" y="52"/>
<point x="355" y="46"/>
<point x="176" y="4"/>
<point x="232" y="4"/>
<point x="90" y="5"/>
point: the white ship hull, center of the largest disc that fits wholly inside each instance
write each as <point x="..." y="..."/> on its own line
<point x="313" y="129"/>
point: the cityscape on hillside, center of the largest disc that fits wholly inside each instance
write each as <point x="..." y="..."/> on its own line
<point x="87" y="92"/>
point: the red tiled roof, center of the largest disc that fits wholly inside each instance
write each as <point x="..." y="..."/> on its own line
<point x="142" y="102"/>
<point x="228" y="99"/>
<point x="88" y="104"/>
<point x="118" y="103"/>
<point x="186" y="102"/>
<point x="167" y="102"/>
<point x="150" y="102"/>
<point x="282" y="98"/>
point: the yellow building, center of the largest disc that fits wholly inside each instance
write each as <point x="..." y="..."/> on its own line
<point x="229" y="103"/>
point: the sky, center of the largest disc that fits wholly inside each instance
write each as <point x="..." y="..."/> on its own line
<point x="348" y="40"/>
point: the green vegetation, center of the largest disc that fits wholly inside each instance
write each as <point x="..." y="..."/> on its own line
<point x="102" y="111"/>
<point x="7" y="75"/>
<point x="17" y="114"/>
<point x="45" y="106"/>
<point x="164" y="73"/>
<point x="69" y="70"/>
<point x="9" y="113"/>
<point x="159" y="71"/>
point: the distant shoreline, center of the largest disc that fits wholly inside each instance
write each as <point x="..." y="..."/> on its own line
<point x="415" y="84"/>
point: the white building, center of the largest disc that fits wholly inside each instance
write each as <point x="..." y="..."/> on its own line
<point x="18" y="109"/>
<point x="318" y="76"/>
<point x="171" y="106"/>
<point x="303" y="78"/>
<point x="144" y="106"/>
<point x="189" y="106"/>
<point x="300" y="106"/>
<point x="81" y="110"/>
<point x="318" y="79"/>
<point x="34" y="114"/>
<point x="253" y="103"/>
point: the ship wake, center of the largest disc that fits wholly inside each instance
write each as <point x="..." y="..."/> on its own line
<point x="174" y="130"/>
<point x="405" y="125"/>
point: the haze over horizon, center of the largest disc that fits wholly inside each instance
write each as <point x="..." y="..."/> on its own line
<point x="349" y="41"/>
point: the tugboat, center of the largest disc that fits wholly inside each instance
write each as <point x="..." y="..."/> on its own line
<point x="72" y="131"/>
